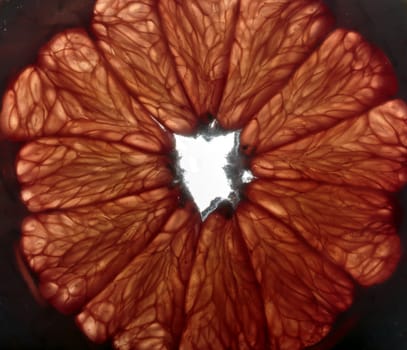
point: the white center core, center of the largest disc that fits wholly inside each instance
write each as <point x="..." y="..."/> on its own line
<point x="203" y="164"/>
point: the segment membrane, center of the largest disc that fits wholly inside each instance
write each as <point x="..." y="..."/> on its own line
<point x="343" y="78"/>
<point x="353" y="227"/>
<point x="366" y="151"/>
<point x="71" y="92"/>
<point x="69" y="172"/>
<point x="200" y="35"/>
<point x="77" y="252"/>
<point x="143" y="307"/>
<point x="272" y="38"/>
<point x="130" y="35"/>
<point x="223" y="304"/>
<point x="302" y="291"/>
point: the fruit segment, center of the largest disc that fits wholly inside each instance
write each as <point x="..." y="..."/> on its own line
<point x="302" y="291"/>
<point x="130" y="35"/>
<point x="78" y="252"/>
<point x="343" y="78"/>
<point x="200" y="35"/>
<point x="353" y="227"/>
<point x="69" y="172"/>
<point x="223" y="304"/>
<point x="272" y="38"/>
<point x="366" y="151"/>
<point x="71" y="92"/>
<point x="143" y="307"/>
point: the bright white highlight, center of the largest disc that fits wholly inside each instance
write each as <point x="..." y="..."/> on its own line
<point x="203" y="165"/>
<point x="247" y="176"/>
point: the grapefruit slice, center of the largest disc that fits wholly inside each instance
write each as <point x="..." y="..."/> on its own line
<point x="271" y="39"/>
<point x="223" y="303"/>
<point x="131" y="37"/>
<point x="71" y="91"/>
<point x="115" y="241"/>
<point x="351" y="226"/>
<point x="70" y="172"/>
<point x="302" y="292"/>
<point x="206" y="26"/>
<point x="344" y="77"/>
<point x="77" y="251"/>
<point x="362" y="151"/>
<point x="143" y="307"/>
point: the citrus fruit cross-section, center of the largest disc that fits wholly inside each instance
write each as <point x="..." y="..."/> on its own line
<point x="114" y="239"/>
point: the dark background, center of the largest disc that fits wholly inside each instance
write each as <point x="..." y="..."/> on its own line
<point x="378" y="318"/>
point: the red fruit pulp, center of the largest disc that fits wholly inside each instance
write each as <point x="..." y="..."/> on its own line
<point x="72" y="95"/>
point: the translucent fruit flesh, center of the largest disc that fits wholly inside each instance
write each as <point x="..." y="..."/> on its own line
<point x="109" y="236"/>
